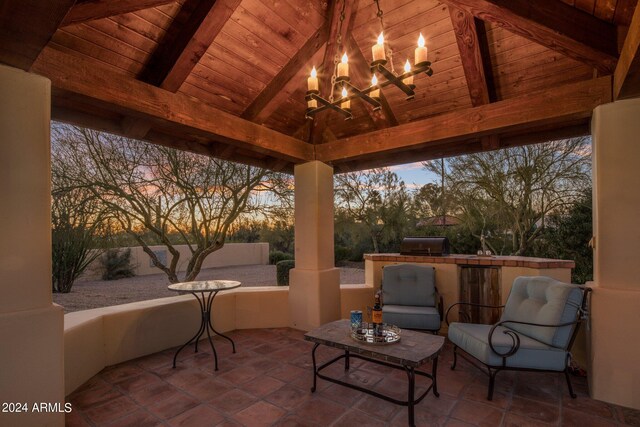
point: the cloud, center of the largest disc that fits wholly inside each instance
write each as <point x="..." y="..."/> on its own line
<point x="407" y="167"/>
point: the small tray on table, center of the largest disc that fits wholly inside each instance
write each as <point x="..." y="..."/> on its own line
<point x="388" y="334"/>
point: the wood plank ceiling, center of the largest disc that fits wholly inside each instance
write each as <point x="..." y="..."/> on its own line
<point x="245" y="62"/>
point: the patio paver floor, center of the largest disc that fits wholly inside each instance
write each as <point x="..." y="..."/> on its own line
<point x="267" y="383"/>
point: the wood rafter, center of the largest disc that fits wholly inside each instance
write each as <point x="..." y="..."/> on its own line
<point x="550" y="107"/>
<point x="464" y="27"/>
<point x="468" y="146"/>
<point x="127" y="96"/>
<point x="271" y="92"/>
<point x="91" y="10"/>
<point x="173" y="61"/>
<point x="626" y="79"/>
<point x="333" y="24"/>
<point x="26" y="26"/>
<point x="553" y="24"/>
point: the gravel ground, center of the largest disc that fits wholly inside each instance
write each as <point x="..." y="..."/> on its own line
<point x="99" y="293"/>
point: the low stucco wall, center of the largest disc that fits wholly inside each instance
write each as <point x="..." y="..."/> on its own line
<point x="94" y="339"/>
<point x="230" y="254"/>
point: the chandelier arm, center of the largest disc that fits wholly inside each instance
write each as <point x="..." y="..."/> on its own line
<point x="364" y="95"/>
<point x="396" y="80"/>
<point x="327" y="105"/>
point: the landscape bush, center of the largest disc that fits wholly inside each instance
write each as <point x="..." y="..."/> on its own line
<point x="282" y="271"/>
<point x="341" y="253"/>
<point x="117" y="264"/>
<point x="276" y="256"/>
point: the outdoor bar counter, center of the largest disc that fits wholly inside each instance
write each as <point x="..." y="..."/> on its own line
<point x="455" y="272"/>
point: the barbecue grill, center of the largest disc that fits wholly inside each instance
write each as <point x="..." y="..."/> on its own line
<point x="429" y="246"/>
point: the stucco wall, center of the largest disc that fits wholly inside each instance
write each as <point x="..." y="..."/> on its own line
<point x="94" y="339"/>
<point x="229" y="254"/>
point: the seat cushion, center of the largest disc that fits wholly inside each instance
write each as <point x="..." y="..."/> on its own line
<point x="411" y="316"/>
<point x="546" y="301"/>
<point x="408" y="284"/>
<point x="474" y="339"/>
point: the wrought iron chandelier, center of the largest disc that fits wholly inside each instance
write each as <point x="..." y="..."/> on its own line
<point x="340" y="79"/>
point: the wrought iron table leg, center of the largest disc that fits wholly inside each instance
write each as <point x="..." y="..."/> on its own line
<point x="411" y="374"/>
<point x="346" y="360"/>
<point x="196" y="337"/>
<point x="209" y="308"/>
<point x="434" y="372"/>
<point x="215" y="354"/>
<point x="204" y="321"/>
<point x="313" y="358"/>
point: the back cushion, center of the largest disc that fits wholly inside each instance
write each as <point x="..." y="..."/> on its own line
<point x="546" y="301"/>
<point x="408" y="284"/>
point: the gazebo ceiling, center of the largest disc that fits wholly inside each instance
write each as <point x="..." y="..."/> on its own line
<point x="227" y="77"/>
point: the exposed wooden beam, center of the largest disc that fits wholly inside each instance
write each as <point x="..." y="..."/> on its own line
<point x="135" y="128"/>
<point x="91" y="10"/>
<point x="440" y="150"/>
<point x="26" y="26"/>
<point x="626" y="79"/>
<point x="338" y="29"/>
<point x="270" y="94"/>
<point x="485" y="54"/>
<point x="175" y="58"/>
<point x="490" y="142"/>
<point x="553" y="106"/>
<point x="131" y="97"/>
<point x="464" y="27"/>
<point x="361" y="77"/>
<point x="553" y="24"/>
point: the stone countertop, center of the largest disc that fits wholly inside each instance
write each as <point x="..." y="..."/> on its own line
<point x="459" y="259"/>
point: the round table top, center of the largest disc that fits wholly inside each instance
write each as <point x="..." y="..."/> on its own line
<point x="204" y="286"/>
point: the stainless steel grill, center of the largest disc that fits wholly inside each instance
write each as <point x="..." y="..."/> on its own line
<point x="429" y="246"/>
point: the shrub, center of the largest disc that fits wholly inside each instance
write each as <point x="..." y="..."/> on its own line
<point x="117" y="264"/>
<point x="341" y="253"/>
<point x="282" y="271"/>
<point x="277" y="256"/>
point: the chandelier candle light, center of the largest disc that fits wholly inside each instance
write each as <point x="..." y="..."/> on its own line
<point x="371" y="94"/>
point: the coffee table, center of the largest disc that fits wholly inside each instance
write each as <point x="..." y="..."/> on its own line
<point x="413" y="350"/>
<point x="207" y="290"/>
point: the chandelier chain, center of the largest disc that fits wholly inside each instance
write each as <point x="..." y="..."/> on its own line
<point x="336" y="57"/>
<point x="389" y="51"/>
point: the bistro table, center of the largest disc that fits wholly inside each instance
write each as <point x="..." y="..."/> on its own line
<point x="413" y="350"/>
<point x="205" y="291"/>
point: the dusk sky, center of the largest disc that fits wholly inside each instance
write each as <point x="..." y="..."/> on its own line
<point x="414" y="173"/>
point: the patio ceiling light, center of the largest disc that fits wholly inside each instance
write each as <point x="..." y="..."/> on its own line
<point x="340" y="79"/>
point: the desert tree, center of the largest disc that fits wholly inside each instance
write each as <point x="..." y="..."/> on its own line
<point x="75" y="228"/>
<point x="377" y="199"/>
<point x="515" y="189"/>
<point x="160" y="195"/>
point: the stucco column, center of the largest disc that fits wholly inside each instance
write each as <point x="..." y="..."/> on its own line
<point x="615" y="317"/>
<point x="314" y="291"/>
<point x="31" y="327"/>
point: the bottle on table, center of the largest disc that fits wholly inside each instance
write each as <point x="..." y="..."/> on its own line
<point x="376" y="316"/>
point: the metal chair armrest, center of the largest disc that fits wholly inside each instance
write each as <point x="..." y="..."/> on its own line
<point x="471" y="304"/>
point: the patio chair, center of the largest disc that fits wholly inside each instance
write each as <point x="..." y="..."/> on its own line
<point x="410" y="298"/>
<point x="535" y="333"/>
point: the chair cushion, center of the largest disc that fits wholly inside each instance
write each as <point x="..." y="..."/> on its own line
<point x="408" y="284"/>
<point x="411" y="316"/>
<point x="543" y="300"/>
<point x="474" y="339"/>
